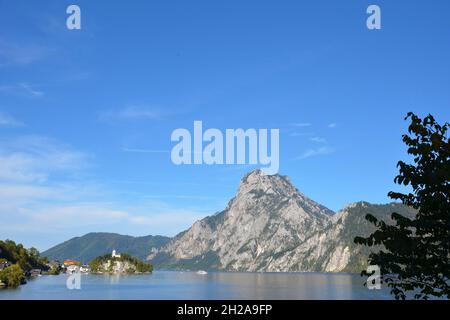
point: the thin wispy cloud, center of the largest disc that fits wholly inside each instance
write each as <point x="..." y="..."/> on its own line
<point x="9" y="121"/>
<point x="165" y="219"/>
<point x="144" y="150"/>
<point x="300" y="134"/>
<point x="146" y="218"/>
<point x="315" y="152"/>
<point x="17" y="193"/>
<point x="318" y="139"/>
<point x="179" y="196"/>
<point x="332" y="125"/>
<point x="72" y="215"/>
<point x="28" y="88"/>
<point x="139" y="113"/>
<point x="35" y="158"/>
<point x="134" y="113"/>
<point x="295" y="129"/>
<point x="301" y="124"/>
<point x="12" y="53"/>
<point x="244" y="168"/>
<point x="21" y="89"/>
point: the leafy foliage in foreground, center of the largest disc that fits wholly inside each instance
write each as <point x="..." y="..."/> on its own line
<point x="12" y="276"/>
<point x="416" y="254"/>
<point x="27" y="259"/>
<point x="21" y="260"/>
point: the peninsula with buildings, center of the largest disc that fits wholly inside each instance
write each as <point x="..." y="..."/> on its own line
<point x="17" y="265"/>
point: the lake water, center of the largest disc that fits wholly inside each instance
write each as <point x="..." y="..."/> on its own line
<point x="174" y="285"/>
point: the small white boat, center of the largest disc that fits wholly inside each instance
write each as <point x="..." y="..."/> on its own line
<point x="202" y="272"/>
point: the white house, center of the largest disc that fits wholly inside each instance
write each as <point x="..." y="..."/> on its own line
<point x="115" y="255"/>
<point x="72" y="269"/>
<point x="85" y="269"/>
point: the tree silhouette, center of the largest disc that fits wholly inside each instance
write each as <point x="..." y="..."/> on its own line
<point x="415" y="254"/>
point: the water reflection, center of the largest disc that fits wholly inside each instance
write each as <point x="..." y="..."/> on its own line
<point x="190" y="285"/>
<point x="289" y="285"/>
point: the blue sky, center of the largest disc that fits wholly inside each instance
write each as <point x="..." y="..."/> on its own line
<point x="86" y="115"/>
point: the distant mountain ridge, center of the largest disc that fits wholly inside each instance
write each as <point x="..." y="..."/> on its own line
<point x="92" y="245"/>
<point x="271" y="226"/>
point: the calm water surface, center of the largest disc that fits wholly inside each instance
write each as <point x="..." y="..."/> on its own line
<point x="189" y="285"/>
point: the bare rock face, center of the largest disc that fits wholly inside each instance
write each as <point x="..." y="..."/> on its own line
<point x="268" y="226"/>
<point x="116" y="267"/>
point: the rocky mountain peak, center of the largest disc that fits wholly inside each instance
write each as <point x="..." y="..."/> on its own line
<point x="267" y="216"/>
<point x="257" y="182"/>
<point x="257" y="187"/>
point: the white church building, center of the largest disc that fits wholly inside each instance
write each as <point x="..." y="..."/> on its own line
<point x="115" y="254"/>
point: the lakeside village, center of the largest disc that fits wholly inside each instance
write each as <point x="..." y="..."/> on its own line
<point x="17" y="265"/>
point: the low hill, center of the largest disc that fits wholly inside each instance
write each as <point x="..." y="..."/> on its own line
<point x="92" y="245"/>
